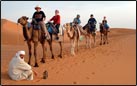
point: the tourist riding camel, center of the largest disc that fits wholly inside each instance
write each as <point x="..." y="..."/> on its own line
<point x="92" y="23"/>
<point x="39" y="18"/>
<point x="104" y="22"/>
<point x="56" y="22"/>
<point x="76" y="23"/>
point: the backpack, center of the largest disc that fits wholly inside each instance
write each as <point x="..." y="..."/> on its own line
<point x="106" y="26"/>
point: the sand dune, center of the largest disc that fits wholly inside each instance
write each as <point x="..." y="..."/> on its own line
<point x="114" y="63"/>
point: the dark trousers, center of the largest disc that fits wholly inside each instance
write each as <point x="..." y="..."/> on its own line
<point x="57" y="27"/>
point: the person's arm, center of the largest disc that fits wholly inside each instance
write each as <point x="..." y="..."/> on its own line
<point x="95" y="21"/>
<point x="102" y="21"/>
<point x="35" y="73"/>
<point x="58" y="18"/>
<point x="79" y="21"/>
<point x="89" y="21"/>
<point x="23" y="66"/>
<point x="34" y="15"/>
<point x="44" y="18"/>
<point x="33" y="18"/>
<point x="43" y="15"/>
<point x="106" y="21"/>
<point x="74" y="20"/>
<point x="52" y="18"/>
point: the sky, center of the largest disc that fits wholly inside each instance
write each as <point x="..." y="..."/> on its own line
<point x="119" y="14"/>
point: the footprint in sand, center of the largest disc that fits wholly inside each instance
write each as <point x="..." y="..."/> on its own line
<point x="52" y="68"/>
<point x="83" y="61"/>
<point x="93" y="73"/>
<point x="71" y="65"/>
<point x="74" y="82"/>
<point x="87" y="78"/>
<point x="76" y="63"/>
<point x="57" y="72"/>
<point x="61" y="68"/>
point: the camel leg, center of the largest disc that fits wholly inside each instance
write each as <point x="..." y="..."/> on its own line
<point x="50" y="45"/>
<point x="101" y="39"/>
<point x="86" y="42"/>
<point x="72" y="47"/>
<point x="74" y="43"/>
<point x="30" y="53"/>
<point x="60" y="55"/>
<point x="35" y="53"/>
<point x="44" y="52"/>
<point x="104" y="39"/>
<point x="89" y="41"/>
<point x="94" y="38"/>
<point x="77" y="44"/>
<point x="107" y="38"/>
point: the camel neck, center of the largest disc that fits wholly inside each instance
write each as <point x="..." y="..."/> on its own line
<point x="25" y="25"/>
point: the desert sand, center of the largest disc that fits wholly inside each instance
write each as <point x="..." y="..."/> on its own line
<point x="114" y="63"/>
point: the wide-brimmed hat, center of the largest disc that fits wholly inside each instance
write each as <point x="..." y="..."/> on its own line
<point x="37" y="7"/>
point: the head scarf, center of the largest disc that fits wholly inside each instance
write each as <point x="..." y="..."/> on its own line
<point x="18" y="55"/>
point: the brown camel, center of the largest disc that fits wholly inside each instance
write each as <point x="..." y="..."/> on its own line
<point x="103" y="34"/>
<point x="34" y="35"/>
<point x="89" y="35"/>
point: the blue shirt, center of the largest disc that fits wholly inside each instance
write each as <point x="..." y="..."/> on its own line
<point x="76" y="21"/>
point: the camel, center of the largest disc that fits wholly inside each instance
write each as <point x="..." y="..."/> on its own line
<point x="32" y="35"/>
<point x="74" y="35"/>
<point x="89" y="36"/>
<point x="103" y="34"/>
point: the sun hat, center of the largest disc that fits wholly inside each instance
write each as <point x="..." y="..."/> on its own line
<point x="37" y="7"/>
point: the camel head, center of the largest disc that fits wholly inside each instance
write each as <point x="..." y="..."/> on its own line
<point x="67" y="26"/>
<point x="23" y="20"/>
<point x="101" y="25"/>
<point x="69" y="29"/>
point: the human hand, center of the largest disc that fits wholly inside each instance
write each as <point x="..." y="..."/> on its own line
<point x="35" y="73"/>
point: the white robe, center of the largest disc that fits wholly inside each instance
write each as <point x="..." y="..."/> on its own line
<point x="19" y="69"/>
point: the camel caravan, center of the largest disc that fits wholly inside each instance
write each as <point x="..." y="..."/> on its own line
<point x="37" y="31"/>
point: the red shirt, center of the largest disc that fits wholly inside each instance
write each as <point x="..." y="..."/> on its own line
<point x="56" y="19"/>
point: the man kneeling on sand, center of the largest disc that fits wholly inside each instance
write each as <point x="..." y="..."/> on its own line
<point x="19" y="69"/>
